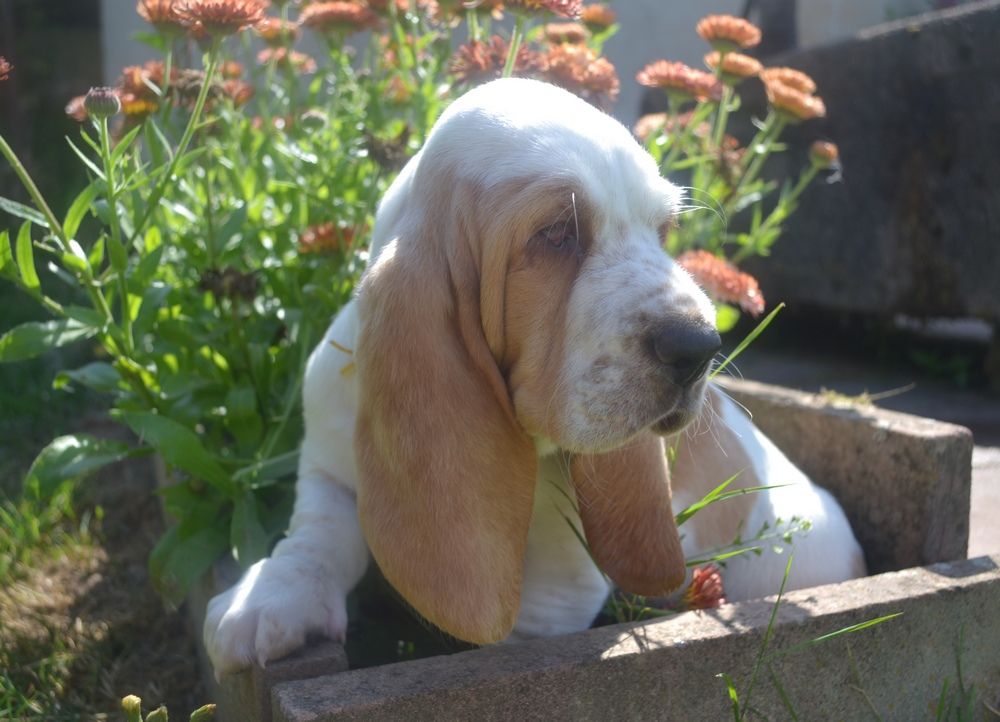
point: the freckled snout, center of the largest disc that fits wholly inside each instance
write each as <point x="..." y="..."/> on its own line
<point x="685" y="347"/>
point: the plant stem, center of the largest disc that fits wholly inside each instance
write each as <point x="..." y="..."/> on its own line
<point x="116" y="236"/>
<point x="781" y="211"/>
<point x="515" y="45"/>
<point x="36" y="195"/>
<point x="161" y="188"/>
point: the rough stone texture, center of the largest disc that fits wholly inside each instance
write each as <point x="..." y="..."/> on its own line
<point x="913" y="226"/>
<point x="903" y="480"/>
<point x="668" y="669"/>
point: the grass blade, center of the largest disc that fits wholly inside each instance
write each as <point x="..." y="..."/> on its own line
<point x="750" y="337"/>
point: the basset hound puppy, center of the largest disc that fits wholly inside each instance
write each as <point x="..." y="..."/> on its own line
<point x="502" y="385"/>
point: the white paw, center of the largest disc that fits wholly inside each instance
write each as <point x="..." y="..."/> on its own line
<point x="269" y="612"/>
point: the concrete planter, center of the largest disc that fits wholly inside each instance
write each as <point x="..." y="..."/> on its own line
<point x="904" y="482"/>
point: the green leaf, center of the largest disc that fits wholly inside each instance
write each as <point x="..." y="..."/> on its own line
<point x="22" y="211"/>
<point x="8" y="269"/>
<point x="78" y="209"/>
<point x="152" y="299"/>
<point x="726" y="317"/>
<point x="748" y="340"/>
<point x="96" y="256"/>
<point x="72" y="457"/>
<point x="34" y="338"/>
<point x="117" y="255"/>
<point x="264" y="473"/>
<point x="26" y="258"/>
<point x="86" y="316"/>
<point x="247" y="537"/>
<point x="179" y="559"/>
<point x="179" y="446"/>
<point x="99" y="376"/>
<point x="83" y="156"/>
<point x="123" y="145"/>
<point x="76" y="258"/>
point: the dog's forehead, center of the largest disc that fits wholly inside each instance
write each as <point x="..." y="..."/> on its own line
<point x="523" y="129"/>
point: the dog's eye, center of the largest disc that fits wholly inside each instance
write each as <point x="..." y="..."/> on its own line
<point x="560" y="236"/>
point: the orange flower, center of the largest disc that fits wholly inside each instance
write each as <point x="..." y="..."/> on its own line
<point x="338" y="17"/>
<point x="727" y="32"/>
<point x="299" y="62"/>
<point x="736" y="67"/>
<point x="480" y="61"/>
<point x="136" y="108"/>
<point x="572" y="33"/>
<point x="681" y="80"/>
<point x="239" y="91"/>
<point x="705" y="590"/>
<point x="76" y="110"/>
<point x="597" y="17"/>
<point x="794" y="104"/>
<point x="578" y="69"/>
<point x="824" y="154"/>
<point x="723" y="281"/>
<point x="326" y="237"/>
<point x="219" y="17"/>
<point x="650" y="124"/>
<point x="231" y="70"/>
<point x="563" y="8"/>
<point x="5" y="68"/>
<point x="276" y="31"/>
<point x="794" y="79"/>
<point x="162" y="15"/>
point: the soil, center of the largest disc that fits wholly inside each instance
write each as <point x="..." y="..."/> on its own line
<point x="93" y="610"/>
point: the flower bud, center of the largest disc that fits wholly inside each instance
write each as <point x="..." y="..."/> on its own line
<point x="102" y="103"/>
<point x="132" y="706"/>
<point x="824" y="155"/>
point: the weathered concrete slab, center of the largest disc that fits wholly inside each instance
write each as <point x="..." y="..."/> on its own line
<point x="668" y="669"/>
<point x="913" y="225"/>
<point x="903" y="480"/>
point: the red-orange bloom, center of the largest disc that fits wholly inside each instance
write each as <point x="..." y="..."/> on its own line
<point x="230" y="70"/>
<point x="723" y="281"/>
<point x="239" y="91"/>
<point x="5" y="68"/>
<point x="338" y="17"/>
<point x="276" y="31"/>
<point x="578" y="69"/>
<point x="162" y="15"/>
<point x="795" y="104"/>
<point x="727" y="32"/>
<point x="681" y="79"/>
<point x="824" y="154"/>
<point x="76" y="110"/>
<point x="563" y="8"/>
<point x="326" y="237"/>
<point x="795" y="79"/>
<point x="219" y="17"/>
<point x="736" y="67"/>
<point x="597" y="16"/>
<point x="705" y="590"/>
<point x="480" y="61"/>
<point x="299" y="62"/>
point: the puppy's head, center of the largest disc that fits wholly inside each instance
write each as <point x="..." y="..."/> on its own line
<point x="519" y="298"/>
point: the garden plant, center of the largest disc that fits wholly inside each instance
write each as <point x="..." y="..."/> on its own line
<point x="233" y="183"/>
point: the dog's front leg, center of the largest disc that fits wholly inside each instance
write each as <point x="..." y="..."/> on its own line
<point x="300" y="589"/>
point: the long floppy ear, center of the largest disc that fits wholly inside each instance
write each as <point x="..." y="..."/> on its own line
<point x="624" y="500"/>
<point x="447" y="475"/>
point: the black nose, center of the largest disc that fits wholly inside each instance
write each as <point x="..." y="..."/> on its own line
<point x="686" y="347"/>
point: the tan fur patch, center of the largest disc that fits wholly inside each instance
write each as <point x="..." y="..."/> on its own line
<point x="624" y="499"/>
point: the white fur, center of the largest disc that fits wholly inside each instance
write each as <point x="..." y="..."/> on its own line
<point x="506" y="129"/>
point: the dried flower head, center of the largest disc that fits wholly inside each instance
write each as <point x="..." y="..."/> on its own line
<point x="76" y="110"/>
<point x="723" y="281"/>
<point x="824" y="154"/>
<point x="162" y="15"/>
<point x="736" y="67"/>
<point x="597" y="17"/>
<point x="299" y="62"/>
<point x="563" y="8"/>
<point x="705" y="590"/>
<point x="794" y="104"/>
<point x="326" y="238"/>
<point x="102" y="103"/>
<point x="277" y="32"/>
<point x="579" y="70"/>
<point x="219" y="17"/>
<point x="794" y="79"/>
<point x="5" y="68"/>
<point x="680" y="80"/>
<point x="572" y="33"/>
<point x="728" y="32"/>
<point x="481" y="61"/>
<point x="229" y="283"/>
<point x="342" y="18"/>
